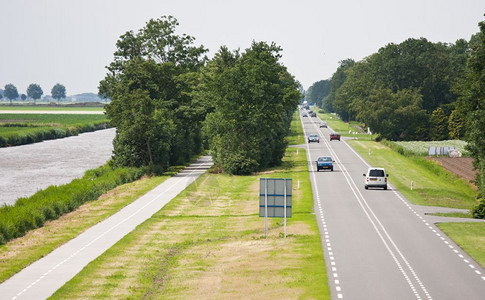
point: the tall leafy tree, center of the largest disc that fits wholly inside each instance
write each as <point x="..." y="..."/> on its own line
<point x="58" y="92"/>
<point x="438" y="125"/>
<point x="456" y="125"/>
<point x="34" y="91"/>
<point x="11" y="92"/>
<point x="150" y="84"/>
<point x="318" y="91"/>
<point x="253" y="97"/>
<point x="472" y="104"/>
<point x="338" y="78"/>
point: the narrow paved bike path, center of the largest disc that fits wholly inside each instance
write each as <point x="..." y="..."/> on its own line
<point x="41" y="279"/>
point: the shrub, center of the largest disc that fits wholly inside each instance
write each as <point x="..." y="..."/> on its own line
<point x="478" y="211"/>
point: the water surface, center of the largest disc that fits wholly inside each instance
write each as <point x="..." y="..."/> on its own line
<point x="26" y="169"/>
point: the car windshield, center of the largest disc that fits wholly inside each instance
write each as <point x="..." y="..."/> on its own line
<point x="313" y="135"/>
<point x="376" y="173"/>
<point x="325" y="159"/>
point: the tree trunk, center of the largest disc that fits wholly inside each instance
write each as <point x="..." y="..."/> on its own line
<point x="149" y="152"/>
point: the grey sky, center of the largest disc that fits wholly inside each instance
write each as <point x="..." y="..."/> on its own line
<point x="71" y="41"/>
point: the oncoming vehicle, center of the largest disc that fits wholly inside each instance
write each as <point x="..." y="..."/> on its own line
<point x="376" y="177"/>
<point x="325" y="163"/>
<point x="323" y="125"/>
<point x="313" y="115"/>
<point x="335" y="136"/>
<point x="313" y="138"/>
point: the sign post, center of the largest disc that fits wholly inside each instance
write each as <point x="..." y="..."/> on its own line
<point x="275" y="196"/>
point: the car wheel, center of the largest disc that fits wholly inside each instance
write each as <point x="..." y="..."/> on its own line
<point x="331" y="169"/>
<point x="366" y="187"/>
<point x="385" y="187"/>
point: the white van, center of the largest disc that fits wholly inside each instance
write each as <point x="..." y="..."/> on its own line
<point x="376" y="177"/>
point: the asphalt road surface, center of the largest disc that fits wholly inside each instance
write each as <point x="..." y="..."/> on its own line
<point x="376" y="244"/>
<point x="41" y="279"/>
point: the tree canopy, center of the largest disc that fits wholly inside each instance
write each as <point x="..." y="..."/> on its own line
<point x="11" y="92"/>
<point x="253" y="98"/>
<point x="150" y="85"/>
<point x="472" y="103"/>
<point x="34" y="91"/>
<point x="58" y="92"/>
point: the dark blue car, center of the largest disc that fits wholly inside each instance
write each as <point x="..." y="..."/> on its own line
<point x="325" y="163"/>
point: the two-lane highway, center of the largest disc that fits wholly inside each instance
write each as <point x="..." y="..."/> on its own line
<point x="376" y="245"/>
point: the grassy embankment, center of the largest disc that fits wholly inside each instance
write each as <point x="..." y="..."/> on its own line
<point x="21" y="129"/>
<point x="208" y="242"/>
<point x="433" y="185"/>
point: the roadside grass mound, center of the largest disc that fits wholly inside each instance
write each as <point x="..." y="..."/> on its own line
<point x="469" y="236"/>
<point x="22" y="129"/>
<point x="21" y="252"/>
<point x="432" y="185"/>
<point x="208" y="243"/>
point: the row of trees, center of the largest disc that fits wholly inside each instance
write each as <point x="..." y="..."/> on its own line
<point x="169" y="102"/>
<point x="34" y="91"/>
<point x="415" y="90"/>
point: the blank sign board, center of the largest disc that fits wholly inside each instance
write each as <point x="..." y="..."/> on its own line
<point x="274" y="190"/>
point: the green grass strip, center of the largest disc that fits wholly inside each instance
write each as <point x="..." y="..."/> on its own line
<point x="469" y="236"/>
<point x="209" y="241"/>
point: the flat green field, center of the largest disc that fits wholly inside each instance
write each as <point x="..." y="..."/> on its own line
<point x="52" y="108"/>
<point x="19" y="129"/>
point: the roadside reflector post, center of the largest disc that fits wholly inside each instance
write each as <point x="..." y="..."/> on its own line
<point x="412" y="185"/>
<point x="298" y="183"/>
<point x="297" y="151"/>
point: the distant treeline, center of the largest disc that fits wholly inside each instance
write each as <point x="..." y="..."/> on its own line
<point x="415" y="90"/>
<point x="407" y="91"/>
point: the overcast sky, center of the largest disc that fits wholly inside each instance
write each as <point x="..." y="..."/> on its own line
<point x="71" y="41"/>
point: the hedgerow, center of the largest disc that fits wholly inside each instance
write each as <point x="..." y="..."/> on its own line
<point x="49" y="204"/>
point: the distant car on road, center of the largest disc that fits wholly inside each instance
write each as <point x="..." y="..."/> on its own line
<point x="335" y="136"/>
<point x="304" y="115"/>
<point x="313" y="138"/>
<point x="325" y="163"/>
<point x="323" y="125"/>
<point x="313" y="115"/>
<point x="376" y="177"/>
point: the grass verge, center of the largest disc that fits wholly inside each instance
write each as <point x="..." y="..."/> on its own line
<point x="432" y="185"/>
<point x="208" y="242"/>
<point x="469" y="236"/>
<point x="21" y="252"/>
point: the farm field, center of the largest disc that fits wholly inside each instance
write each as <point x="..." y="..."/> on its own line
<point x="421" y="147"/>
<point x="20" y="129"/>
<point x="50" y="108"/>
